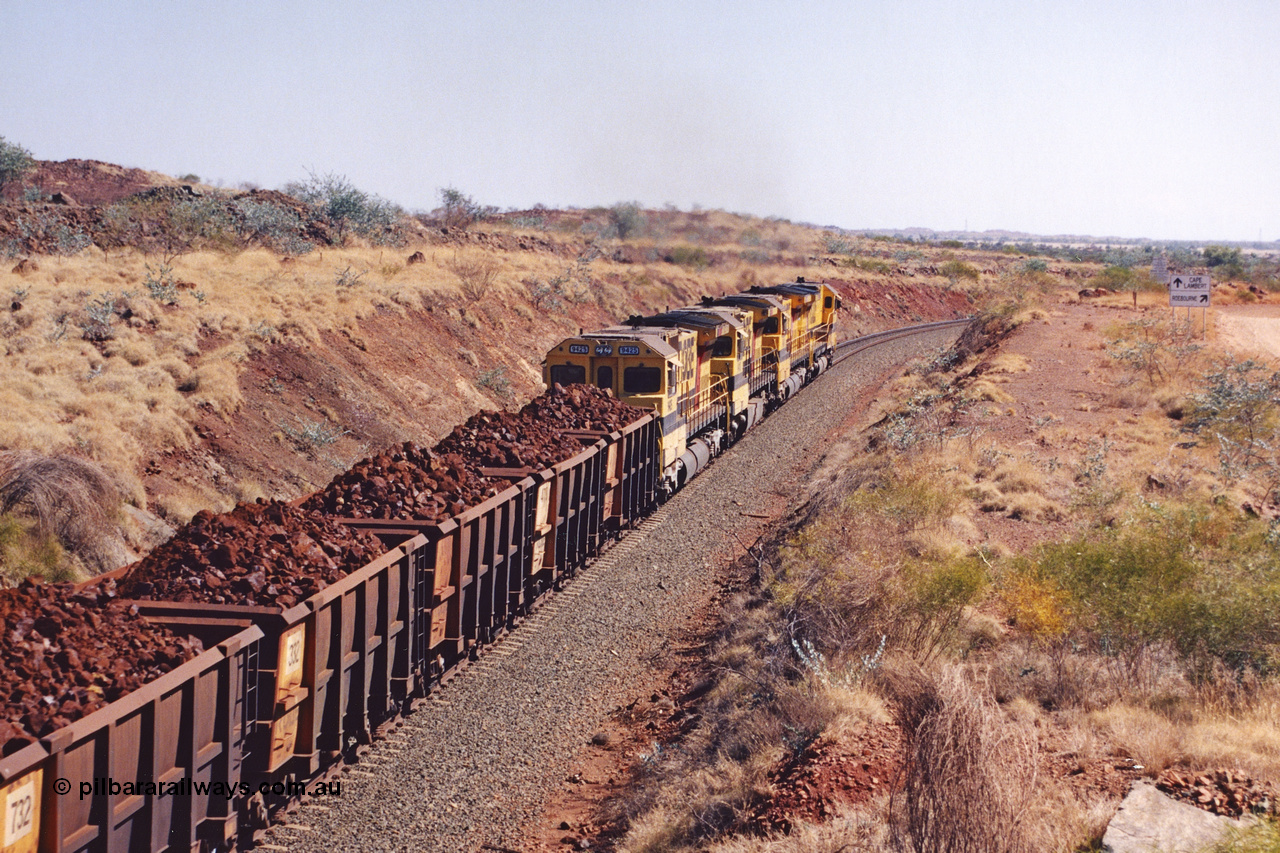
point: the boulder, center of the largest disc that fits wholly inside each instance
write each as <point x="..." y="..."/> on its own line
<point x="1151" y="822"/>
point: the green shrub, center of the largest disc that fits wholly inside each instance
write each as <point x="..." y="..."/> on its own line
<point x="688" y="256"/>
<point x="1121" y="586"/>
<point x="1176" y="579"/>
<point x="346" y="208"/>
<point x="869" y="265"/>
<point x="458" y="210"/>
<point x="310" y="437"/>
<point x="1219" y="256"/>
<point x="935" y="596"/>
<point x="201" y="220"/>
<point x="496" y="381"/>
<point x="837" y="244"/>
<point x="16" y="162"/>
<point x="272" y="226"/>
<point x="1240" y="409"/>
<point x="1127" y="279"/>
<point x="161" y="284"/>
<point x="956" y="270"/>
<point x="46" y="231"/>
<point x="626" y="219"/>
<point x="1261" y="837"/>
<point x="25" y="553"/>
<point x="907" y="503"/>
<point x="100" y="316"/>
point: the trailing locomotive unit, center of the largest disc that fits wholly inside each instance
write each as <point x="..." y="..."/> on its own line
<point x="710" y="371"/>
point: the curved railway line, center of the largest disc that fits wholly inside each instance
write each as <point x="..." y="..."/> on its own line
<point x="472" y="768"/>
<point x="347" y="685"/>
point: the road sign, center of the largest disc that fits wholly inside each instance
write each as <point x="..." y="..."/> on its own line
<point x="1189" y="291"/>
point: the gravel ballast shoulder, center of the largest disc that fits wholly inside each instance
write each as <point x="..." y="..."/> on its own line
<point x="474" y="766"/>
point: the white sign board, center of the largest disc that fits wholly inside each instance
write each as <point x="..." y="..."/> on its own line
<point x="1189" y="291"/>
<point x="1160" y="269"/>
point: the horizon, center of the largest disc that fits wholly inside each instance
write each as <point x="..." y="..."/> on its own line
<point x="1098" y="119"/>
<point x="985" y="237"/>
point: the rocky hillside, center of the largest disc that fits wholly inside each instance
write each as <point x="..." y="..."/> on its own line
<point x="205" y="346"/>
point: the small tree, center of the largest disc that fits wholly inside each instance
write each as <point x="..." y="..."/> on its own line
<point x="1227" y="260"/>
<point x="346" y="207"/>
<point x="1240" y="407"/>
<point x="626" y="219"/>
<point x="16" y="162"/>
<point x="459" y="210"/>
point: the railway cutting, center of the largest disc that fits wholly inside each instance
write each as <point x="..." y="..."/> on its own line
<point x="476" y="764"/>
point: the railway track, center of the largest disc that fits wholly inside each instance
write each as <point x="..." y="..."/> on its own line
<point x="853" y="346"/>
<point x="470" y="769"/>
<point x="288" y="695"/>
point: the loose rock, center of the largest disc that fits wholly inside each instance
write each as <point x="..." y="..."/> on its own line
<point x="67" y="653"/>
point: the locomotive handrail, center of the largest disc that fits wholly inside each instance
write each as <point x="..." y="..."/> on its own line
<point x="703" y="406"/>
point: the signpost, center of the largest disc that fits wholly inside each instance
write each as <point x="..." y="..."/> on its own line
<point x="1191" y="291"/>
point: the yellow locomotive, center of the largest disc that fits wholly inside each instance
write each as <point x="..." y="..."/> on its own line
<point x="709" y="371"/>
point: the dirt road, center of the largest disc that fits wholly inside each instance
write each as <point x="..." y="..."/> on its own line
<point x="1250" y="330"/>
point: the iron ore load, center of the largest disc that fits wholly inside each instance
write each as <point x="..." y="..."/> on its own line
<point x="262" y="649"/>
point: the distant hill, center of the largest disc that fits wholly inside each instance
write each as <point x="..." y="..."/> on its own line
<point x="89" y="182"/>
<point x="997" y="236"/>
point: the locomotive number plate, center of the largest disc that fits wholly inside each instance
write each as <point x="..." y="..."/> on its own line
<point x="628" y="350"/>
<point x="579" y="349"/>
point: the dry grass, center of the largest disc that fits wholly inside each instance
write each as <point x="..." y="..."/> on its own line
<point x="477" y="272"/>
<point x="1144" y="735"/>
<point x="1197" y="734"/>
<point x="970" y="772"/>
<point x="139" y="389"/>
<point x="760" y="707"/>
<point x="69" y="499"/>
<point x="24" y="552"/>
<point x="1006" y="363"/>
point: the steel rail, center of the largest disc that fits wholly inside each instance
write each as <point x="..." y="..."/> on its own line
<point x="844" y="349"/>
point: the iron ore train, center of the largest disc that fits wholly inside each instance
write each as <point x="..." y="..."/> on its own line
<point x="284" y="694"/>
<point x="709" y="372"/>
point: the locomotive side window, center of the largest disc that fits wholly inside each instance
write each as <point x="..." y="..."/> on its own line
<point x="642" y="380"/>
<point x="723" y="347"/>
<point x="771" y="326"/>
<point x="568" y="374"/>
<point x="826" y="303"/>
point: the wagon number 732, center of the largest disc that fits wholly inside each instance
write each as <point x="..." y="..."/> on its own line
<point x="19" y="812"/>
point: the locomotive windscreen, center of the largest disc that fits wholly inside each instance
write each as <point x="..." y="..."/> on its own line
<point x="568" y="374"/>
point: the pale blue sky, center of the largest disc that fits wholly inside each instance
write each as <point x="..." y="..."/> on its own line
<point x="1134" y="119"/>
